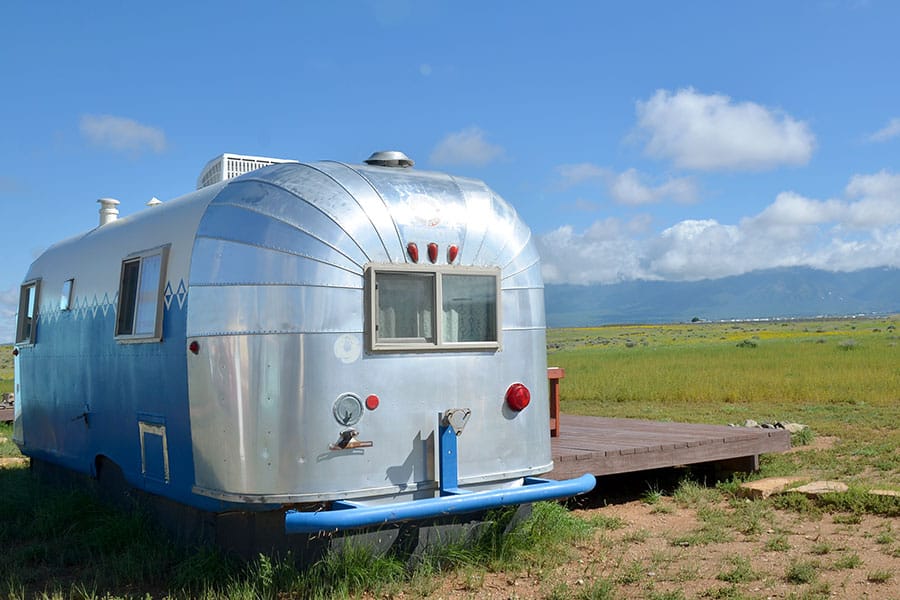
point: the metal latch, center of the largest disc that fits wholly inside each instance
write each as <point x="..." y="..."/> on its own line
<point x="348" y="441"/>
<point x="456" y="418"/>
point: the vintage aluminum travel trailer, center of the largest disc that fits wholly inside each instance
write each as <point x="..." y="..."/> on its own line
<point x="350" y="345"/>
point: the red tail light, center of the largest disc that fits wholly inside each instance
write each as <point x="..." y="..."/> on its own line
<point x="195" y="347"/>
<point x="452" y="252"/>
<point x="432" y="252"/>
<point x="413" y="251"/>
<point x="518" y="396"/>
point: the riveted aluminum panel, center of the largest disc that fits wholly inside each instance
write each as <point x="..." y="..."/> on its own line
<point x="523" y="308"/>
<point x="221" y="262"/>
<point x="529" y="277"/>
<point x="331" y="198"/>
<point x="254" y="229"/>
<point x="297" y="211"/>
<point x="481" y="217"/>
<point x="373" y="204"/>
<point x="260" y="308"/>
<point x="276" y="424"/>
<point x="426" y="207"/>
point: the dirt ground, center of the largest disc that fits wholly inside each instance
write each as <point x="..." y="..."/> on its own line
<point x="665" y="550"/>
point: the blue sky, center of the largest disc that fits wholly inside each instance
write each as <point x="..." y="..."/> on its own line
<point x="649" y="140"/>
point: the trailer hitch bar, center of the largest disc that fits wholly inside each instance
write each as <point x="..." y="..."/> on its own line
<point x="344" y="514"/>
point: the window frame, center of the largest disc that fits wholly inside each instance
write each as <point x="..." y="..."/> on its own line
<point x="31" y="338"/>
<point x="66" y="295"/>
<point x="437" y="272"/>
<point x="141" y="256"/>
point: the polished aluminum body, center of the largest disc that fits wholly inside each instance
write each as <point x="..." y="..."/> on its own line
<point x="267" y="274"/>
<point x="277" y="301"/>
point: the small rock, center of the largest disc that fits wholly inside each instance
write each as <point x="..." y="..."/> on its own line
<point x="792" y="427"/>
<point x="763" y="488"/>
<point x="893" y="493"/>
<point x="817" y="488"/>
<point x="750" y="423"/>
<point x="3" y="440"/>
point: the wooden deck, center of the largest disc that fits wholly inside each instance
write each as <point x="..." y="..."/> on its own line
<point x="604" y="446"/>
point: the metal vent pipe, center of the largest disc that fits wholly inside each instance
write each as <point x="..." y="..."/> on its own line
<point x="108" y="210"/>
<point x="390" y="158"/>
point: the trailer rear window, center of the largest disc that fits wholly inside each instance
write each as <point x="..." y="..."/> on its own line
<point x="28" y="308"/>
<point x="139" y="314"/>
<point x="440" y="309"/>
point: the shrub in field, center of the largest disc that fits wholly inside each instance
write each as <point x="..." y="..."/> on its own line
<point x="802" y="571"/>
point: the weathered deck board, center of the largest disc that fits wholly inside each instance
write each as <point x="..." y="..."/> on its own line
<point x="605" y="446"/>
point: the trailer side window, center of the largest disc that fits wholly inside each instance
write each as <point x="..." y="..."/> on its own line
<point x="28" y="307"/>
<point x="139" y="315"/>
<point x="433" y="310"/>
<point x="65" y="297"/>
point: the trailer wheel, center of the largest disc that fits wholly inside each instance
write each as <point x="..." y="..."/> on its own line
<point x="112" y="484"/>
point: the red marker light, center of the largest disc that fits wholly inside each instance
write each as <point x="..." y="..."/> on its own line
<point x="518" y="396"/>
<point x="452" y="253"/>
<point x="413" y="251"/>
<point x="195" y="347"/>
<point x="372" y="401"/>
<point x="15" y="351"/>
<point x="432" y="252"/>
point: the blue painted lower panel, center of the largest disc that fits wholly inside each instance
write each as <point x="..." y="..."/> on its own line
<point x="83" y="396"/>
<point x="346" y="515"/>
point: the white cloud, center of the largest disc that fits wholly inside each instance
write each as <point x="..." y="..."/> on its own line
<point x="861" y="230"/>
<point x="603" y="253"/>
<point x="889" y="131"/>
<point x="630" y="186"/>
<point x="121" y="134"/>
<point x="712" y="132"/>
<point x="466" y="147"/>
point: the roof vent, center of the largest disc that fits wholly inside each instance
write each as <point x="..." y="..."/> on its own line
<point x="108" y="210"/>
<point x="154" y="201"/>
<point x="390" y="158"/>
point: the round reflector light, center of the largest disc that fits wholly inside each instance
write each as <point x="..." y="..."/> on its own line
<point x="372" y="401"/>
<point x="518" y="396"/>
<point x="195" y="347"/>
<point x="15" y="351"/>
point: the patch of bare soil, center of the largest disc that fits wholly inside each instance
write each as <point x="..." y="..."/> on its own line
<point x="824" y="442"/>
<point x="665" y="550"/>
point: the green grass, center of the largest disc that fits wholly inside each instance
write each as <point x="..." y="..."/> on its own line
<point x="6" y="369"/>
<point x="62" y="542"/>
<point x="802" y="571"/>
<point x="798" y="371"/>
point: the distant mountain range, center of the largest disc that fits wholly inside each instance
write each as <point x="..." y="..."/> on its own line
<point x="773" y="293"/>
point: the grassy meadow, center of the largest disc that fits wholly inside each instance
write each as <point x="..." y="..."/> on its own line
<point x="6" y="369"/>
<point x="839" y="377"/>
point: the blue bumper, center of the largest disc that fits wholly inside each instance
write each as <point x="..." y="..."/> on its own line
<point x="347" y="515"/>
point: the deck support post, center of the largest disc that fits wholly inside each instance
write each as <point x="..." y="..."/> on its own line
<point x="554" y="374"/>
